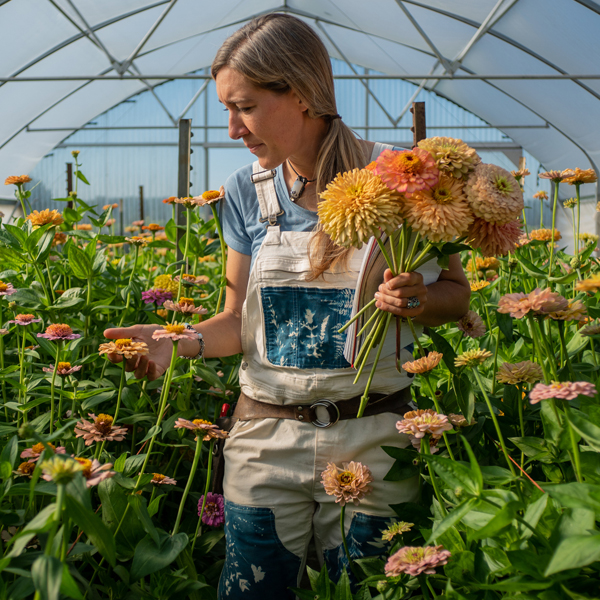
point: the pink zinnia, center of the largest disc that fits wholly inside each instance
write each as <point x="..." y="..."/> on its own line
<point x="567" y="390"/>
<point x="24" y="319"/>
<point x="34" y="453"/>
<point x="407" y="171"/>
<point x="492" y="239"/>
<point x="7" y="289"/>
<point x="214" y="509"/>
<point x="471" y="325"/>
<point x="59" y="332"/>
<point x="63" y="369"/>
<point x="419" y="423"/>
<point x="156" y="295"/>
<point x="538" y="302"/>
<point x="416" y="560"/>
<point x="350" y="483"/>
<point x="174" y="332"/>
<point x="94" y="472"/>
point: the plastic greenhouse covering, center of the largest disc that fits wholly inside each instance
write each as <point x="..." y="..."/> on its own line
<point x="526" y="67"/>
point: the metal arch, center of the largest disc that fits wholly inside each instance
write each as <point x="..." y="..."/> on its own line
<point x="151" y="90"/>
<point x="590" y="5"/>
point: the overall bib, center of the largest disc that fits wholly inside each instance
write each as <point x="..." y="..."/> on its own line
<point x="292" y="353"/>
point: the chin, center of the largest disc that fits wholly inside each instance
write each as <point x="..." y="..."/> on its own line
<point x="269" y="163"/>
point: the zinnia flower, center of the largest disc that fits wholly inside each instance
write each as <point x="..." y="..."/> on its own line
<point x="350" y="483"/>
<point x="160" y="479"/>
<point x="107" y="206"/>
<point x="459" y="420"/>
<point x="83" y="227"/>
<point x="174" y="332"/>
<point x="138" y="223"/>
<point x="592" y="284"/>
<point x="493" y="239"/>
<point x="396" y="528"/>
<point x="165" y="282"/>
<point x="471" y="358"/>
<point x="170" y="200"/>
<point x="357" y="205"/>
<point x="26" y="469"/>
<point x="471" y="325"/>
<point x="419" y="423"/>
<point x="439" y="213"/>
<point x="59" y="332"/>
<point x="190" y="202"/>
<point x="477" y="286"/>
<point x="588" y="238"/>
<point x="59" y="238"/>
<point x="544" y="235"/>
<point x="494" y="194"/>
<point x="63" y="369"/>
<point x="153" y="227"/>
<point x="521" y="372"/>
<point x="100" y="430"/>
<point x="24" y="319"/>
<point x="538" y="302"/>
<point x="34" y="453"/>
<point x="407" y="171"/>
<point x="576" y="311"/>
<point x="191" y="280"/>
<point x="93" y="471"/>
<point x="452" y="156"/>
<point x="157" y="296"/>
<point x="424" y="364"/>
<point x="590" y="329"/>
<point x="568" y="390"/>
<point x="572" y="203"/>
<point x="44" y="217"/>
<point x="210" y="196"/>
<point x="6" y="289"/>
<point x="137" y="240"/>
<point x="60" y="470"/>
<point x="520" y="174"/>
<point x="186" y="306"/>
<point x="201" y="426"/>
<point x="125" y="347"/>
<point x="578" y="176"/>
<point x="416" y="560"/>
<point x="556" y="176"/>
<point x="541" y="195"/>
<point x="17" y="180"/>
<point x="214" y="509"/>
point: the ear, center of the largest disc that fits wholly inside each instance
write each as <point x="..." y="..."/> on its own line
<point x="301" y="105"/>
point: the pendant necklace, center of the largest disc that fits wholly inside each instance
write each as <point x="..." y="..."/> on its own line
<point x="299" y="185"/>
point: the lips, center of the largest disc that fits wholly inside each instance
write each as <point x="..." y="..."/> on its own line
<point x="253" y="147"/>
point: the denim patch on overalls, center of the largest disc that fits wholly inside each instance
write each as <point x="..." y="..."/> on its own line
<point x="256" y="560"/>
<point x="302" y="323"/>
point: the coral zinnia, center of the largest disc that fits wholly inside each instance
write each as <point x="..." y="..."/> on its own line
<point x="24" y="319"/>
<point x="471" y="324"/>
<point x="592" y="284"/>
<point x="538" y="302"/>
<point x="350" y="483"/>
<point x="201" y="426"/>
<point x="578" y="176"/>
<point x="59" y="332"/>
<point x="521" y="372"/>
<point x="44" y="217"/>
<point x="407" y="171"/>
<point x="415" y="560"/>
<point x="493" y="239"/>
<point x="494" y="194"/>
<point x="100" y="430"/>
<point x="186" y="306"/>
<point x="472" y="358"/>
<point x="541" y="195"/>
<point x="170" y="200"/>
<point x="214" y="509"/>
<point x="17" y="180"/>
<point x="419" y="423"/>
<point x="452" y="156"/>
<point x="357" y="205"/>
<point x="439" y="213"/>
<point x="423" y="365"/>
<point x="126" y="347"/>
<point x="160" y="479"/>
<point x="568" y="390"/>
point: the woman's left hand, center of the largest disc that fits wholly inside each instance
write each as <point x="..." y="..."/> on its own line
<point x="396" y="294"/>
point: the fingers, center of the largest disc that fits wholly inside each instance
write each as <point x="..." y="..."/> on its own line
<point x="398" y="292"/>
<point x="119" y="333"/>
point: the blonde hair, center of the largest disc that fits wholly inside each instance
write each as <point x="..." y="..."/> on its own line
<point x="281" y="53"/>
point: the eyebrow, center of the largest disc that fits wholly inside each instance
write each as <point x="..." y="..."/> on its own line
<point x="236" y="101"/>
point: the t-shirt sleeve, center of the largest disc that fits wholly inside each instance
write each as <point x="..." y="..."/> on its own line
<point x="233" y="221"/>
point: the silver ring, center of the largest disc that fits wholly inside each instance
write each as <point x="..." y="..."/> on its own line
<point x="413" y="302"/>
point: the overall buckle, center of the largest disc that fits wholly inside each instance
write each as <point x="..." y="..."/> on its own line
<point x="332" y="410"/>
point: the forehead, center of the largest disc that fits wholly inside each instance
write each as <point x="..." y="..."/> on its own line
<point x="233" y="87"/>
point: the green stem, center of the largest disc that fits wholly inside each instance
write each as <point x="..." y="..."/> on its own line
<point x="188" y="233"/>
<point x="60" y="496"/>
<point x="577" y="186"/>
<point x="551" y="263"/>
<point x="358" y="314"/>
<point x="135" y="259"/>
<point x="549" y="350"/>
<point x="415" y="336"/>
<point x="52" y="387"/>
<point x="369" y="322"/>
<point x="561" y="333"/>
<point x="536" y="345"/>
<point x="189" y="483"/>
<point x="425" y="449"/>
<point x="120" y="393"/>
<point x="223" y="257"/>
<point x="208" y="473"/>
<point x="521" y="417"/>
<point x="495" y="360"/>
<point x="574" y="444"/>
<point x="388" y="260"/>
<point x="50" y="281"/>
<point x="345" y="543"/>
<point x="494" y="419"/>
<point x="438" y="408"/>
<point x="368" y="343"/>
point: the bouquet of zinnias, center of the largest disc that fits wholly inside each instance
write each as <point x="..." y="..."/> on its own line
<point x="430" y="201"/>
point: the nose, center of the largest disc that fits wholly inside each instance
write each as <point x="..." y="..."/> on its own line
<point x="237" y="129"/>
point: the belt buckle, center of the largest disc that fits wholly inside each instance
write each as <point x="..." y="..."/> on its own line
<point x="332" y="410"/>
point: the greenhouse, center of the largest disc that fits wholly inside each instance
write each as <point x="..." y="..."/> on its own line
<point x="298" y="299"/>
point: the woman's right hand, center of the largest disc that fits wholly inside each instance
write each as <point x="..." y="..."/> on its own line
<point x="153" y="364"/>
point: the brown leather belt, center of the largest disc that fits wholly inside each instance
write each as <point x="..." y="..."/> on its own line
<point x="397" y="403"/>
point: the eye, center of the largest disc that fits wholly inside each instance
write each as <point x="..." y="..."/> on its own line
<point x="244" y="109"/>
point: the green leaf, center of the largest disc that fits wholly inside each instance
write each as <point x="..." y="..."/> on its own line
<point x="68" y="587"/>
<point x="10" y="451"/>
<point x="465" y="396"/>
<point x="475" y="469"/>
<point x="98" y="533"/>
<point x="576" y="495"/>
<point x="456" y="475"/>
<point x="531" y="446"/>
<point x="81" y="177"/>
<point x="149" y="557"/>
<point x="97" y="398"/>
<point x="530" y="268"/>
<point x="585" y="428"/>
<point x="519" y="583"/>
<point x="505" y="323"/>
<point x="79" y="262"/>
<point x="320" y="583"/>
<point x="342" y="590"/>
<point x="451" y="519"/>
<point x="573" y="553"/>
<point x="139" y="508"/>
<point x="41" y="522"/>
<point x="504" y="517"/>
<point x="442" y="346"/>
<point x="46" y="573"/>
<point x="119" y="465"/>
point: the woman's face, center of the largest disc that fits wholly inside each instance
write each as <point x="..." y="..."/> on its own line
<point x="272" y="126"/>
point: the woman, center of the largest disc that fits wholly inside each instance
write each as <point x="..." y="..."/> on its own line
<point x="288" y="291"/>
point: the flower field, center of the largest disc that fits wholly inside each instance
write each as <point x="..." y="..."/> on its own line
<point x="105" y="479"/>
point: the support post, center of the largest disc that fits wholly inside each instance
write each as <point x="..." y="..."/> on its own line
<point x="121" y="229"/>
<point x="418" y="128"/>
<point x="141" y="202"/>
<point x="69" y="183"/>
<point x="183" y="175"/>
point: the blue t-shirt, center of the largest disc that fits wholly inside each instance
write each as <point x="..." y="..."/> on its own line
<point x="240" y="213"/>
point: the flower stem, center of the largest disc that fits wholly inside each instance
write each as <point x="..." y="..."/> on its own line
<point x="425" y="449"/>
<point x="183" y="269"/>
<point x="416" y="337"/>
<point x="521" y="418"/>
<point x="128" y="300"/>
<point x="438" y="408"/>
<point x="208" y="472"/>
<point x="52" y="387"/>
<point x="577" y="186"/>
<point x="551" y="262"/>
<point x="574" y="444"/>
<point x="358" y="314"/>
<point x="536" y="345"/>
<point x="188" y="484"/>
<point x="494" y="419"/>
<point x="561" y="333"/>
<point x="345" y="543"/>
<point x="223" y="256"/>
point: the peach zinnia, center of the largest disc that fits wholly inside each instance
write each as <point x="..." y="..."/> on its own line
<point x="419" y="423"/>
<point x="350" y="483"/>
<point x="578" y="176"/>
<point x="7" y="289"/>
<point x="471" y="324"/>
<point x="59" y="332"/>
<point x="202" y="426"/>
<point x="521" y="372"/>
<point x="415" y="560"/>
<point x="174" y="332"/>
<point x="17" y="180"/>
<point x="34" y="453"/>
<point x="125" y="347"/>
<point x="357" y="205"/>
<point x="424" y="364"/>
<point x="407" y="171"/>
<point x="538" y="302"/>
<point x="452" y="156"/>
<point x="576" y="311"/>
<point x="545" y="235"/>
<point x="100" y="429"/>
<point x="439" y="213"/>
<point x="567" y="390"/>
<point x="186" y="306"/>
<point x="472" y="358"/>
<point x="592" y="284"/>
<point x="493" y="239"/>
<point x="45" y="217"/>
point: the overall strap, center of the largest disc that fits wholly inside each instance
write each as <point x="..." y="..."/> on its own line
<point x="378" y="148"/>
<point x="264" y="183"/>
